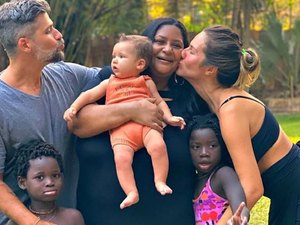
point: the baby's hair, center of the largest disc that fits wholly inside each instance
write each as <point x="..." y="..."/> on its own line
<point x="210" y="121"/>
<point x="34" y="149"/>
<point x="142" y="44"/>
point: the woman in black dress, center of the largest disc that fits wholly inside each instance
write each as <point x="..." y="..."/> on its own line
<point x="99" y="192"/>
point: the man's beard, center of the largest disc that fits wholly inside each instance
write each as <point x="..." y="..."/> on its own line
<point x="51" y="57"/>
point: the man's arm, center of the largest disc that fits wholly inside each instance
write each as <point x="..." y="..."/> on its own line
<point x="11" y="206"/>
<point x="94" y="119"/>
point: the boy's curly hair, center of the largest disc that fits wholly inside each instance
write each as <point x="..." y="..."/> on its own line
<point x="34" y="149"/>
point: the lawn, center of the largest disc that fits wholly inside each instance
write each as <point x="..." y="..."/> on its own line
<point x="291" y="125"/>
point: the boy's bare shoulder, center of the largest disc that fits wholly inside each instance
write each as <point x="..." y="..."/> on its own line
<point x="73" y="216"/>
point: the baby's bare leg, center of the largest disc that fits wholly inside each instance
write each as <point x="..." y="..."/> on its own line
<point x="123" y="158"/>
<point x="157" y="149"/>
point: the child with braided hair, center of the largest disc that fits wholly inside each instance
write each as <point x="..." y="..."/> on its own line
<point x="217" y="184"/>
<point x="39" y="171"/>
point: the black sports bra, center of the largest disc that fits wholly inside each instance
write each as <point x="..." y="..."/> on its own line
<point x="267" y="135"/>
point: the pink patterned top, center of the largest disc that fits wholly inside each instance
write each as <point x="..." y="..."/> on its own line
<point x="209" y="207"/>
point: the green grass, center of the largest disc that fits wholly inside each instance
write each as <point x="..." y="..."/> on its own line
<point x="291" y="125"/>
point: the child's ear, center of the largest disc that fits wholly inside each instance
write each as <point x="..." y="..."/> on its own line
<point x="141" y="64"/>
<point x="22" y="182"/>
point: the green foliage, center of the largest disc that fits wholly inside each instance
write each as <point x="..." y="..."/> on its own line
<point x="280" y="53"/>
<point x="130" y="18"/>
<point x="204" y="13"/>
<point x="260" y="212"/>
<point x="80" y="20"/>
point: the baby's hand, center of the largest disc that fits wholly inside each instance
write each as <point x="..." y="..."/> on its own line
<point x="69" y="114"/>
<point x="176" y="121"/>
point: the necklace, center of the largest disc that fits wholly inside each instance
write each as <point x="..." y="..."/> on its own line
<point x="43" y="212"/>
<point x="200" y="177"/>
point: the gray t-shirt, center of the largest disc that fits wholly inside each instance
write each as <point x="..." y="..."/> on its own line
<point x="24" y="117"/>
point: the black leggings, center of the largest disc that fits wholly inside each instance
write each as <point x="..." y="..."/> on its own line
<point x="282" y="186"/>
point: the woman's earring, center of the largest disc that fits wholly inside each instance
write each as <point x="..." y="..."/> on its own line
<point x="176" y="81"/>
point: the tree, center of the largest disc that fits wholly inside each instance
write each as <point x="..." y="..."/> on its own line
<point x="280" y="53"/>
<point x="80" y="21"/>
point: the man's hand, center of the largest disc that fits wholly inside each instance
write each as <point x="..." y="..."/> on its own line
<point x="147" y="113"/>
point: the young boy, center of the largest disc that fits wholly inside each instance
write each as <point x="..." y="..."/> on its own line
<point x="39" y="171"/>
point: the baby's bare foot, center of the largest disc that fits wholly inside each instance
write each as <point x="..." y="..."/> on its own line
<point x="163" y="188"/>
<point x="132" y="198"/>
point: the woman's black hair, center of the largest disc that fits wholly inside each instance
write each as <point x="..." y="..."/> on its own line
<point x="150" y="32"/>
<point x="182" y="89"/>
<point x="34" y="149"/>
<point x="211" y="121"/>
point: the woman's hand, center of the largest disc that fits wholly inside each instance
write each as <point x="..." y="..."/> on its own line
<point x="147" y="113"/>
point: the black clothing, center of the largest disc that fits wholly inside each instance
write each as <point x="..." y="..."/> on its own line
<point x="267" y="134"/>
<point x="282" y="180"/>
<point x="100" y="194"/>
<point x="282" y="185"/>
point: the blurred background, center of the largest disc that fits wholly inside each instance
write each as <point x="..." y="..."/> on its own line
<point x="91" y="27"/>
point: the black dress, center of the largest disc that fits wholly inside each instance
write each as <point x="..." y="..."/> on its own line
<point x="100" y="194"/>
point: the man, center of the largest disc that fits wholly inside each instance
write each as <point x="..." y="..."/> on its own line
<point x="35" y="90"/>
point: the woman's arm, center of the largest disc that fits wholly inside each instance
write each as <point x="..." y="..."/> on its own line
<point x="235" y="128"/>
<point x="94" y="119"/>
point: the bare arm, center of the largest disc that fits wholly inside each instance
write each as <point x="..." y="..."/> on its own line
<point x="85" y="98"/>
<point x="94" y="119"/>
<point x="235" y="128"/>
<point x="11" y="206"/>
<point x="233" y="190"/>
<point x="168" y="117"/>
